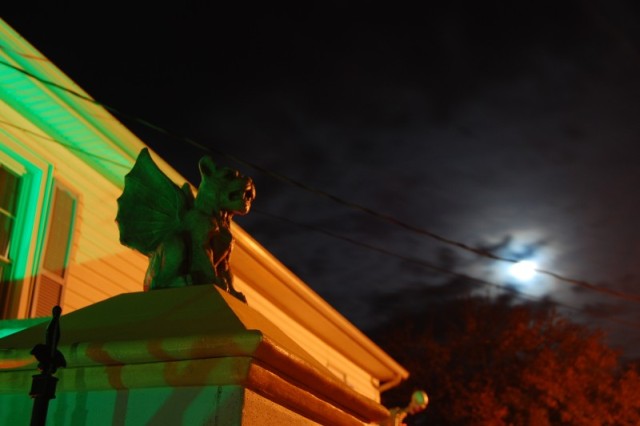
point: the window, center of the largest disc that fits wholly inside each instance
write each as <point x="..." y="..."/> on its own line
<point x="37" y="218"/>
<point x="9" y="189"/>
<point x="49" y="287"/>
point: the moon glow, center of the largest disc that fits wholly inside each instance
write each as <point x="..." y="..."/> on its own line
<point x="523" y="271"/>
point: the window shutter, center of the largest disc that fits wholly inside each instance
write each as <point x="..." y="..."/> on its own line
<point x="53" y="274"/>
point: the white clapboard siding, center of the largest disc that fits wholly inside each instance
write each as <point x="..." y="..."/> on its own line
<point x="343" y="369"/>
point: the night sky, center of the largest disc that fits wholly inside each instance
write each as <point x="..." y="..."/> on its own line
<point x="510" y="127"/>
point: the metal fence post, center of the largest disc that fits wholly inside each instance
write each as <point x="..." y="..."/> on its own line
<point x="43" y="385"/>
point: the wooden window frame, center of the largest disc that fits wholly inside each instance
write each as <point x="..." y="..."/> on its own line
<point x="7" y="262"/>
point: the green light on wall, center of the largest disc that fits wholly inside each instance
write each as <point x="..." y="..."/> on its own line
<point x="12" y="326"/>
<point x="57" y="118"/>
<point x="26" y="215"/>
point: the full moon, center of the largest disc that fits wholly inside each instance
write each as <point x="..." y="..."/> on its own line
<point x="523" y="270"/>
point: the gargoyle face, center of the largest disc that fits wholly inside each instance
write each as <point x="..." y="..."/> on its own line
<point x="224" y="189"/>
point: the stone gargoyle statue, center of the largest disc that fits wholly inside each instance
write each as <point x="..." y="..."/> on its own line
<point x="188" y="240"/>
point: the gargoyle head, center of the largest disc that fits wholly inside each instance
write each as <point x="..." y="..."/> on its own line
<point x="223" y="190"/>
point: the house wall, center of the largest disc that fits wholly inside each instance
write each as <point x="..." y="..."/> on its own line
<point x="99" y="266"/>
<point x="344" y="369"/>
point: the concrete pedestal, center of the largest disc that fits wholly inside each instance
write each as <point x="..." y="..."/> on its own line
<point x="186" y="356"/>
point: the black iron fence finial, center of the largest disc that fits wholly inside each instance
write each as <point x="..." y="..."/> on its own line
<point x="43" y="385"/>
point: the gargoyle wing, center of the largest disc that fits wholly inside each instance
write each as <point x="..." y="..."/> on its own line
<point x="150" y="207"/>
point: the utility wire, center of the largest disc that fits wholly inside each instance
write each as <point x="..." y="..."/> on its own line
<point x="625" y="296"/>
<point x="24" y="55"/>
<point x="66" y="145"/>
<point x="436" y="268"/>
<point x="339" y="200"/>
<point x="368" y="246"/>
<point x="352" y="241"/>
<point x="52" y="83"/>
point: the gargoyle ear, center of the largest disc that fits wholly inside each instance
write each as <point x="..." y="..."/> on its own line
<point x="207" y="167"/>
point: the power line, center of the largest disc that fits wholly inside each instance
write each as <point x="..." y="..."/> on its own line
<point x="24" y="55"/>
<point x="352" y="241"/>
<point x="382" y="216"/>
<point x="52" y="83"/>
<point x="436" y="268"/>
<point x="621" y="295"/>
<point x="368" y="246"/>
<point x="338" y="236"/>
<point x="66" y="145"/>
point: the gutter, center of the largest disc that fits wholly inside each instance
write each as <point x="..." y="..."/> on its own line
<point x="392" y="383"/>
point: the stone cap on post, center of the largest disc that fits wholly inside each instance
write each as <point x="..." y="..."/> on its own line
<point x="191" y="336"/>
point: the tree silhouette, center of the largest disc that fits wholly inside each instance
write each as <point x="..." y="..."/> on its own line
<point x="494" y="362"/>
